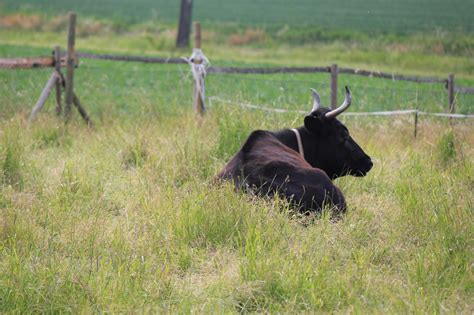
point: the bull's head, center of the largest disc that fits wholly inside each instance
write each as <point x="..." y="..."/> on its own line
<point x="329" y="145"/>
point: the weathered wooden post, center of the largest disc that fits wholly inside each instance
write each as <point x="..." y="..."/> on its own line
<point x="334" y="72"/>
<point x="44" y="95"/>
<point x="81" y="110"/>
<point x="451" y="102"/>
<point x="199" y="81"/>
<point x="57" y="66"/>
<point x="70" y="58"/>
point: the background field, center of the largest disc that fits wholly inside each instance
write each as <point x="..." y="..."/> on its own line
<point x="367" y="15"/>
<point x="123" y="217"/>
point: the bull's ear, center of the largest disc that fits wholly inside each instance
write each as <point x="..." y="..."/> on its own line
<point x="312" y="123"/>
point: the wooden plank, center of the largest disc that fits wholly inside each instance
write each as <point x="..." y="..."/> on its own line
<point x="26" y="63"/>
<point x="71" y="39"/>
<point x="334" y="72"/>
<point x="57" y="66"/>
<point x="31" y="62"/>
<point x="44" y="94"/>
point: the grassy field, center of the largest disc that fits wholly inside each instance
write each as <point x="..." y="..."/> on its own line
<point x="403" y="16"/>
<point x="123" y="217"/>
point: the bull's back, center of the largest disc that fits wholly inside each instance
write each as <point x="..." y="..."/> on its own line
<point x="234" y="167"/>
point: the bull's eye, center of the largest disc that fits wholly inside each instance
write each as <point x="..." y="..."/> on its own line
<point x="348" y="145"/>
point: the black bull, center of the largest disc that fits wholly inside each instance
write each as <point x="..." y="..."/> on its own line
<point x="273" y="162"/>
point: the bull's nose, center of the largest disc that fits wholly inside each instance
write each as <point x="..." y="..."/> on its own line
<point x="369" y="165"/>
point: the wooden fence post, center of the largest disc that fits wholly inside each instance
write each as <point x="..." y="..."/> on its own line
<point x="451" y="94"/>
<point x="198" y="97"/>
<point x="57" y="66"/>
<point x="71" y="38"/>
<point x="334" y="72"/>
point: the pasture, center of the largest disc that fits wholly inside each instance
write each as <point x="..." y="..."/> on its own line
<point x="124" y="217"/>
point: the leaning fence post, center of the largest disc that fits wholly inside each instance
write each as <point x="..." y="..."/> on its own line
<point x="199" y="82"/>
<point x="334" y="72"/>
<point x="44" y="95"/>
<point x="71" y="38"/>
<point x="57" y="66"/>
<point x="451" y="102"/>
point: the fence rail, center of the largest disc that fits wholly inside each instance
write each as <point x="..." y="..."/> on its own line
<point x="333" y="70"/>
<point x="144" y="59"/>
<point x="463" y="90"/>
<point x="239" y="70"/>
<point x="392" y="76"/>
<point x="45" y="61"/>
<point x="29" y="62"/>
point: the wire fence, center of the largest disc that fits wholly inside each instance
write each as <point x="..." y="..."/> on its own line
<point x="368" y="94"/>
<point x="383" y="113"/>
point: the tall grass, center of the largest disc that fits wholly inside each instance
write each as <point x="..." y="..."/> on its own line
<point x="11" y="158"/>
<point x="125" y="218"/>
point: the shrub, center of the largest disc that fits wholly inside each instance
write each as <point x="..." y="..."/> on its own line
<point x="251" y="36"/>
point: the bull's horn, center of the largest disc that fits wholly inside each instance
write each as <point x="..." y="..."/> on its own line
<point x="316" y="100"/>
<point x="343" y="107"/>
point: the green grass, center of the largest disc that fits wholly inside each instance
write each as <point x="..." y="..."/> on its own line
<point x="125" y="218"/>
<point x="401" y="16"/>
